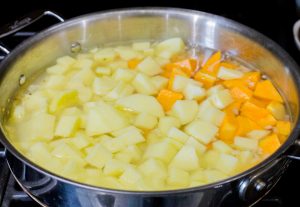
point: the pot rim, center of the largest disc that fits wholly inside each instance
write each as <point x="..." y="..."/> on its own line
<point x="259" y="38"/>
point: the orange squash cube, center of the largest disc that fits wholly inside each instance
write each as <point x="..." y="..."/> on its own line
<point x="133" y="63"/>
<point x="245" y="125"/>
<point x="266" y="90"/>
<point x="207" y="80"/>
<point x="284" y="127"/>
<point x="211" y="66"/>
<point x="251" y="79"/>
<point x="241" y="93"/>
<point x="167" y="98"/>
<point x="253" y="112"/>
<point x="228" y="129"/>
<point x="269" y="144"/>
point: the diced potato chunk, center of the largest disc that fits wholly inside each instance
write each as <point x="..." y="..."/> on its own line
<point x="67" y="125"/>
<point x="63" y="99"/>
<point x="177" y="135"/>
<point x="203" y="131"/>
<point x="105" y="55"/>
<point x="159" y="82"/>
<point x="114" y="167"/>
<point x="149" y="67"/>
<point x="141" y="103"/>
<point x="103" y="118"/>
<point x="143" y="84"/>
<point x="153" y="168"/>
<point x="125" y="75"/>
<point x="145" y="121"/>
<point x="227" y="74"/>
<point x="215" y="89"/>
<point x="40" y="126"/>
<point x="122" y="89"/>
<point x="126" y="53"/>
<point x="186" y="159"/>
<point x="103" y="85"/>
<point x="130" y="176"/>
<point x="221" y="99"/>
<point x="245" y="143"/>
<point x="169" y="47"/>
<point x="208" y="112"/>
<point x="167" y="122"/>
<point x="103" y="71"/>
<point x="222" y="147"/>
<point x="163" y="151"/>
<point x="258" y="134"/>
<point x="227" y="163"/>
<point x="200" y="148"/>
<point x="178" y="177"/>
<point x="185" y="110"/>
<point x="194" y="92"/>
<point x="98" y="156"/>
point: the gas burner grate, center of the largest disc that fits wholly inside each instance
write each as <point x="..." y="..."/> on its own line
<point x="15" y="196"/>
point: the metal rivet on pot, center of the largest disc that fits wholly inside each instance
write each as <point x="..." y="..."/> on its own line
<point x="260" y="185"/>
<point x="264" y="77"/>
<point x="75" y="47"/>
<point x="22" y="79"/>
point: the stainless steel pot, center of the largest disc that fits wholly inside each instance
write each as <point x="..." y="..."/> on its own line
<point x="196" y="28"/>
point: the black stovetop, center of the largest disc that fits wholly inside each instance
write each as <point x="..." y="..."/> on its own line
<point x="273" y="18"/>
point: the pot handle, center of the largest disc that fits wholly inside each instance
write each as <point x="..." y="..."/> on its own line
<point x="25" y="21"/>
<point x="296" y="33"/>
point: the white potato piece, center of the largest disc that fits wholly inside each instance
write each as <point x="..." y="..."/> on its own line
<point x="143" y="84"/>
<point x="185" y="110"/>
<point x="130" y="176"/>
<point x="208" y="112"/>
<point x="159" y="82"/>
<point x="125" y="75"/>
<point x="98" y="156"/>
<point x="203" y="131"/>
<point x="103" y="71"/>
<point x="186" y="159"/>
<point x="228" y="74"/>
<point x="215" y="89"/>
<point x="145" y="121"/>
<point x="163" y="151"/>
<point x="63" y="99"/>
<point x="200" y="148"/>
<point x="114" y="167"/>
<point x="222" y="147"/>
<point x="67" y="125"/>
<point x="126" y="53"/>
<point x="226" y="163"/>
<point x="103" y="85"/>
<point x="38" y="126"/>
<point x="103" y="118"/>
<point x="221" y="99"/>
<point x="194" y="92"/>
<point x="169" y="47"/>
<point x="121" y="89"/>
<point x="167" y="122"/>
<point x="178" y="177"/>
<point x="177" y="135"/>
<point x="153" y="168"/>
<point x="141" y="103"/>
<point x="149" y="66"/>
<point x="258" y="134"/>
<point x="105" y="55"/>
<point x="245" y="143"/>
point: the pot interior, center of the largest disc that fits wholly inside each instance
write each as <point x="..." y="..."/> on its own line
<point x="195" y="28"/>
